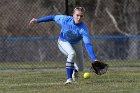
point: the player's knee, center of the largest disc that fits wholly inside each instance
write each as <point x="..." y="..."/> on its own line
<point x="71" y="56"/>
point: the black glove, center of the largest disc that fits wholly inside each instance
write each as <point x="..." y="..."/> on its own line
<point x="99" y="67"/>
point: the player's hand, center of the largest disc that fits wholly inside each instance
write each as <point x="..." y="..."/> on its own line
<point x="99" y="67"/>
<point x="33" y="21"/>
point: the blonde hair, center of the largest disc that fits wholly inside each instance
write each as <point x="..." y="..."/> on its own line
<point x="82" y="9"/>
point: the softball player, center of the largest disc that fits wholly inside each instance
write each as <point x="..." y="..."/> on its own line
<point x="73" y="31"/>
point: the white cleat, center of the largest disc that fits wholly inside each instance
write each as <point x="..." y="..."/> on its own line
<point x="69" y="81"/>
<point x="75" y="75"/>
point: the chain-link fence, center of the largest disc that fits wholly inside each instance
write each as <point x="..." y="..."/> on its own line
<point x="22" y="46"/>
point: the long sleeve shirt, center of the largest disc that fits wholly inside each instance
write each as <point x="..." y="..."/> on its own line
<point x="71" y="32"/>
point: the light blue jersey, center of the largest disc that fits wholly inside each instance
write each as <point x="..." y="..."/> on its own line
<point x="71" y="32"/>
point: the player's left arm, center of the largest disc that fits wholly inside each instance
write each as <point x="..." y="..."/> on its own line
<point x="88" y="45"/>
<point x="98" y="67"/>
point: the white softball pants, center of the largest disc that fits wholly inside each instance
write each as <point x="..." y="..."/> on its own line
<point x="74" y="53"/>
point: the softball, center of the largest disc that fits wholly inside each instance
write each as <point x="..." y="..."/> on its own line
<point x="86" y="75"/>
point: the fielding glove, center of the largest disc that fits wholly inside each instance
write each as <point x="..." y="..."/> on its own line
<point x="99" y="67"/>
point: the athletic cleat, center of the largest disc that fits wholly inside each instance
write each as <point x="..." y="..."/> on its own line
<point x="75" y="75"/>
<point x="69" y="81"/>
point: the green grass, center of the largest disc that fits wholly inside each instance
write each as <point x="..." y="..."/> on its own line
<point x="46" y="64"/>
<point x="118" y="79"/>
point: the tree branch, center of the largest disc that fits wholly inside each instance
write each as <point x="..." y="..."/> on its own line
<point x="115" y="22"/>
<point x="97" y="8"/>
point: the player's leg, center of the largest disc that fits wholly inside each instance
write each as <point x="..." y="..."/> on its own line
<point x="75" y="73"/>
<point x="79" y="60"/>
<point x="68" y="50"/>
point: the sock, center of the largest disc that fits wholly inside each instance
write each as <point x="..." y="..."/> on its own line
<point x="69" y="69"/>
<point x="75" y="70"/>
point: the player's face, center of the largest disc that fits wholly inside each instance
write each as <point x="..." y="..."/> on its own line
<point x="78" y="16"/>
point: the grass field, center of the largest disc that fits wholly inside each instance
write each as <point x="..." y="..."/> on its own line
<point x="117" y="80"/>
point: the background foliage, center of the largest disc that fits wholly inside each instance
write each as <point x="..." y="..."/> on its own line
<point x="21" y="42"/>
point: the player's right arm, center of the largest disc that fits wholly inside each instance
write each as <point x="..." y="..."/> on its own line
<point x="33" y="21"/>
<point x="58" y="19"/>
<point x="42" y="19"/>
